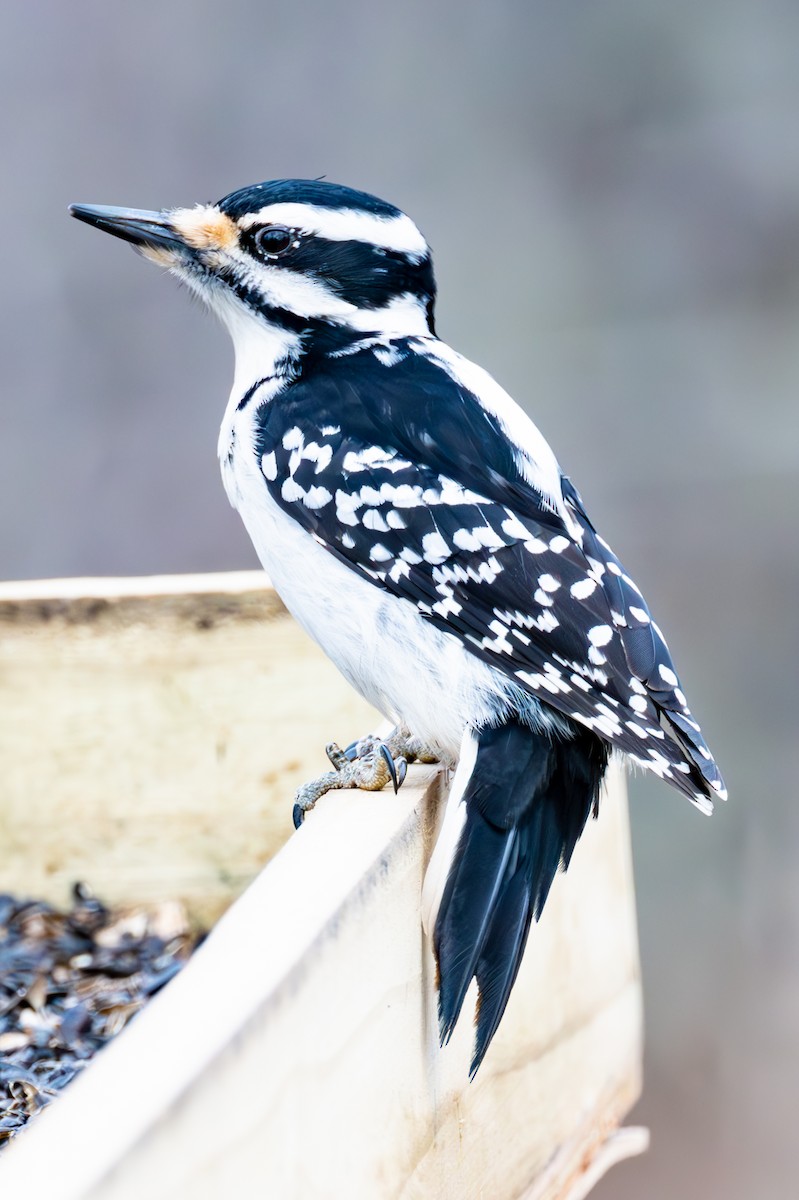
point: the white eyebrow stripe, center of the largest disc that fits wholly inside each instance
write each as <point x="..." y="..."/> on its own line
<point x="344" y="225"/>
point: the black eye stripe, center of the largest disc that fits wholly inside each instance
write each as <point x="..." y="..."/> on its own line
<point x="362" y="273"/>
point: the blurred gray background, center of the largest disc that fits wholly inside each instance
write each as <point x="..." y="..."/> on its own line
<point x="612" y="193"/>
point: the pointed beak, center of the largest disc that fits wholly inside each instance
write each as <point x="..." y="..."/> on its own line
<point x="145" y="230"/>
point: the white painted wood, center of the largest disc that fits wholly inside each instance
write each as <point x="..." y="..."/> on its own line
<point x="296" y="1056"/>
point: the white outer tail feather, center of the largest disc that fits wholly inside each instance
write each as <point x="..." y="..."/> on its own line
<point x="438" y="868"/>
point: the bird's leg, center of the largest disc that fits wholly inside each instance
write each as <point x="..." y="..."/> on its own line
<point x="367" y="764"/>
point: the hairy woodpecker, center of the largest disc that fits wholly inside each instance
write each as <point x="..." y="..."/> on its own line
<point x="417" y="524"/>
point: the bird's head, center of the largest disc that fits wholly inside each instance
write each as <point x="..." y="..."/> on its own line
<point x="318" y="262"/>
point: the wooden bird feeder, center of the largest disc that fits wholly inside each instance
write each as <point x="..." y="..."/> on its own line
<point x="153" y="733"/>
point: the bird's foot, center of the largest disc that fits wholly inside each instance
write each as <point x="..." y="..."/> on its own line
<point x="400" y="743"/>
<point x="368" y="764"/>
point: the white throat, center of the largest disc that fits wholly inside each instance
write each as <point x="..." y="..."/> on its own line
<point x="262" y="353"/>
<point x="260" y="350"/>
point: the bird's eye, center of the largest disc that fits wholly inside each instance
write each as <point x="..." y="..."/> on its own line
<point x="274" y="240"/>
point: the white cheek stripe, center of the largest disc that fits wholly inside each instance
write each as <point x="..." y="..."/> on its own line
<point x="298" y="293"/>
<point x="403" y="316"/>
<point x="345" y="225"/>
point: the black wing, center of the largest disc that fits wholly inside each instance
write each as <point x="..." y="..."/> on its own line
<point x="399" y="471"/>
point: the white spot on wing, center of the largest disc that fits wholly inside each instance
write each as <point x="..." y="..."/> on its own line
<point x="291" y="491"/>
<point x="406" y="496"/>
<point x="399" y="570"/>
<point x="513" y="528"/>
<point x="499" y="643"/>
<point x="347" y="504"/>
<point x="583" y="589"/>
<point x="464" y="539"/>
<point x="547" y="621"/>
<point x="321" y="455"/>
<point x="447" y="607"/>
<point x="352" y="462"/>
<point x="434" y="547"/>
<point x="317" y="497"/>
<point x="373" y="519"/>
<point x="487" y="571"/>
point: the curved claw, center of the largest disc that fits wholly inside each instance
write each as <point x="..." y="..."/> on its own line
<point x="389" y="761"/>
<point x="351" y="751"/>
<point x="397" y="771"/>
<point x="297" y="815"/>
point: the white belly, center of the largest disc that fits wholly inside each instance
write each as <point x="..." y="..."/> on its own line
<point x="410" y="671"/>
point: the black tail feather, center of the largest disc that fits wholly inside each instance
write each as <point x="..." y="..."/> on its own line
<point x="473" y="889"/>
<point x="527" y="801"/>
<point x="499" y="963"/>
<point x="704" y="774"/>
